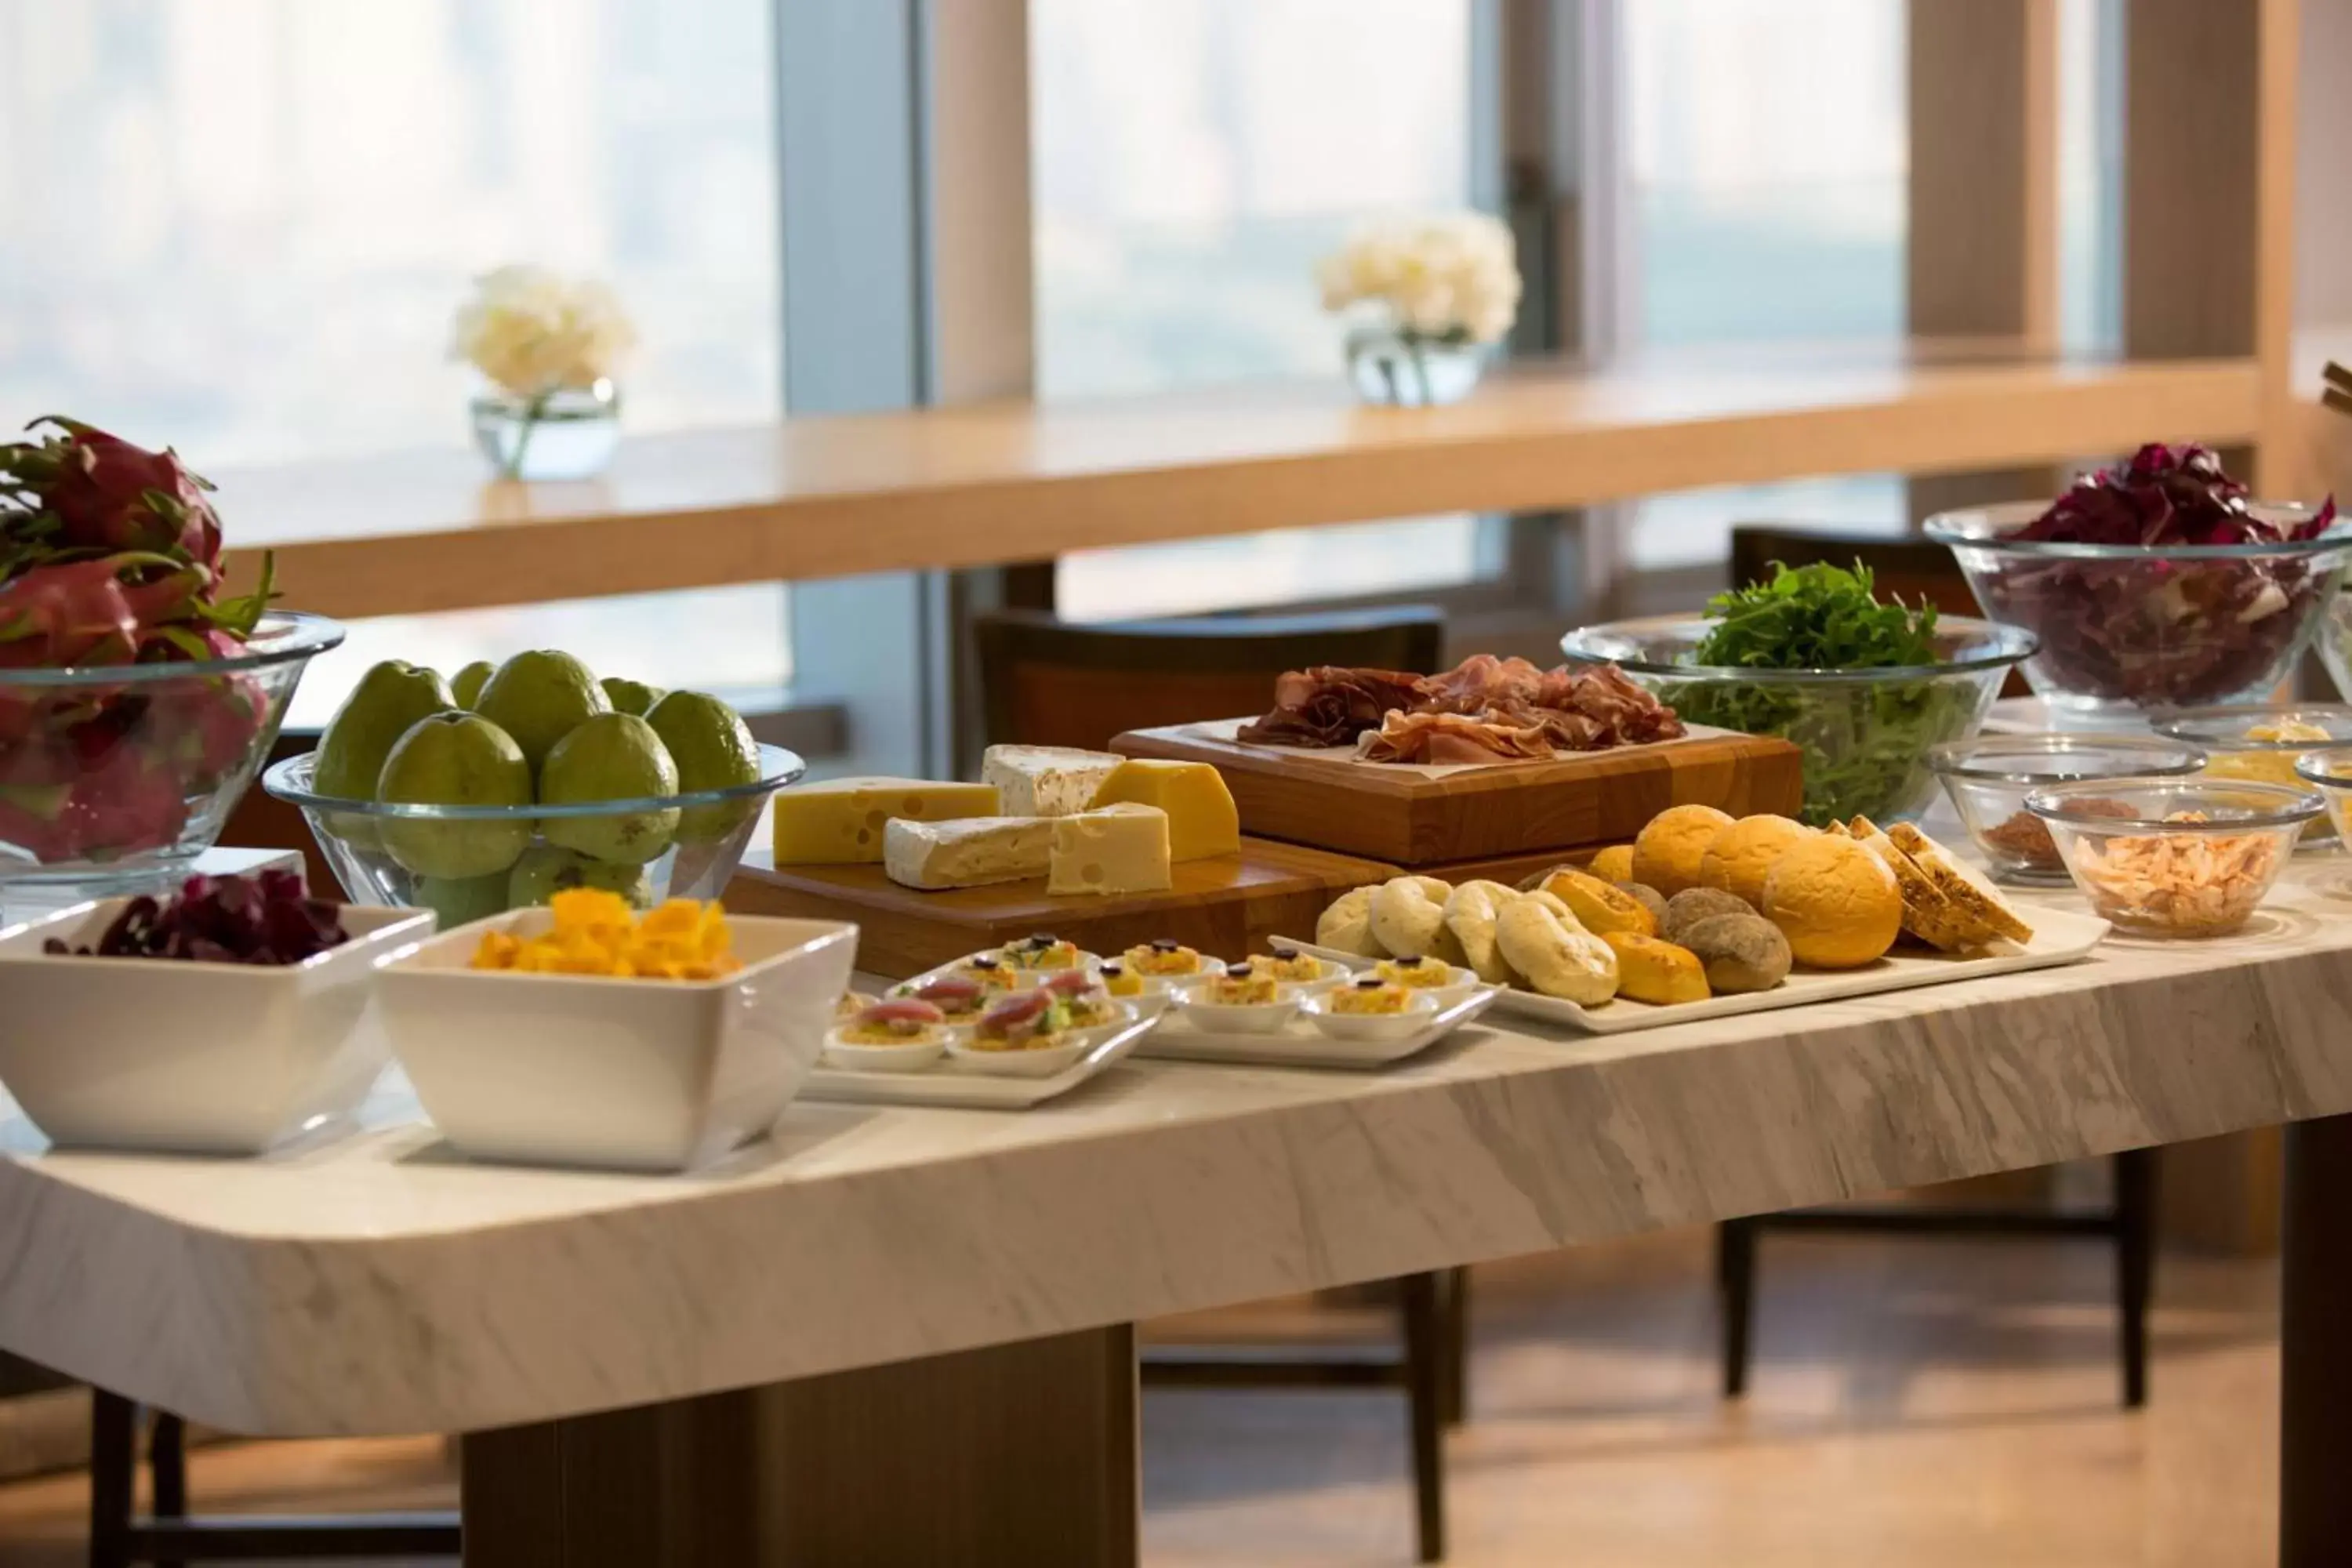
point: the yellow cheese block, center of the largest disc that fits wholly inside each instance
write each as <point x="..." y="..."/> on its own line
<point x="1119" y="849"/>
<point x="1201" y="820"/>
<point x="839" y="822"/>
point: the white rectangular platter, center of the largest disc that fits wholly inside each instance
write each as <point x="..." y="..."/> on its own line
<point x="2060" y="936"/>
<point x="950" y="1083"/>
<point x="1299" y="1044"/>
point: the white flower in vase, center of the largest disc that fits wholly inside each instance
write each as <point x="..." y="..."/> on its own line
<point x="1431" y="294"/>
<point x="548" y="345"/>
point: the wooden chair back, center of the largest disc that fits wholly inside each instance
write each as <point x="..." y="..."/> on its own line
<point x="1048" y="683"/>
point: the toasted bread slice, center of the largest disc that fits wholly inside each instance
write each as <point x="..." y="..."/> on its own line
<point x="1926" y="913"/>
<point x="1837" y="830"/>
<point x="1962" y="883"/>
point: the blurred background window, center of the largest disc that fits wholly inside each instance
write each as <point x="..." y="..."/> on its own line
<point x="1192" y="160"/>
<point x="240" y="226"/>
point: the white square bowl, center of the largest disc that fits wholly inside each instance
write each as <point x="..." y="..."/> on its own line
<point x="584" y="1069"/>
<point x="204" y="1058"/>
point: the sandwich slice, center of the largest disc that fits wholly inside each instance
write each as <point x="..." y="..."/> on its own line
<point x="1962" y="885"/>
<point x="1927" y="914"/>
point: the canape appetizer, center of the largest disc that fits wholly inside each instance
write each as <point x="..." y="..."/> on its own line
<point x="1165" y="959"/>
<point x="1088" y="1003"/>
<point x="1120" y="980"/>
<point x="959" y="997"/>
<point x="1368" y="996"/>
<point x="1025" y="1021"/>
<point x="1040" y="955"/>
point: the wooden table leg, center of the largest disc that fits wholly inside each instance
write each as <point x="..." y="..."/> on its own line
<point x="2315" y="1350"/>
<point x="1022" y="1453"/>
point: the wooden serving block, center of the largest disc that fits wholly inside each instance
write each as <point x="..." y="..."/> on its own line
<point x="1226" y="906"/>
<point x="1420" y="816"/>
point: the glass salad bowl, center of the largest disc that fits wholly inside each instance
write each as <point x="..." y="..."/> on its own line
<point x="1990" y="776"/>
<point x="112" y="776"/>
<point x="2129" y="630"/>
<point x="2263" y="741"/>
<point x="2174" y="857"/>
<point x="1866" y="734"/>
<point x="463" y="862"/>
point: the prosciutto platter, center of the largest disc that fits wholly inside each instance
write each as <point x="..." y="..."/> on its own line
<point x="1485" y="709"/>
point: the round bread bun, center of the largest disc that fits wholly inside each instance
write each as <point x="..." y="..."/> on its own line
<point x="1470" y="915"/>
<point x="1835" y="901"/>
<point x="1600" y="907"/>
<point x="1614" y="864"/>
<point x="1741" y="855"/>
<point x="1649" y="970"/>
<point x="1651" y="899"/>
<point x="1347" y="925"/>
<point x="1409" y="919"/>
<point x="1741" y="952"/>
<point x="1692" y="905"/>
<point x="1667" y="854"/>
<point x="1541" y="939"/>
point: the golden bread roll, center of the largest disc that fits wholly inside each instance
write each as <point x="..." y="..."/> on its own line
<point x="1470" y="915"/>
<point x="1614" y="864"/>
<point x="1692" y="905"/>
<point x="1601" y="908"/>
<point x="1541" y="939"/>
<point x="1649" y="970"/>
<point x="1741" y="855"/>
<point x="1347" y="925"/>
<point x="1651" y="899"/>
<point x="1667" y="853"/>
<point x="1409" y="919"/>
<point x="1741" y="952"/>
<point x="1835" y="901"/>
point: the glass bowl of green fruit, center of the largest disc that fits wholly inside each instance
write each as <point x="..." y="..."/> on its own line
<point x="1865" y="686"/>
<point x="512" y="785"/>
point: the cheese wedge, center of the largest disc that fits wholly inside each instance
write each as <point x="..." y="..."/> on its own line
<point x="1201" y="819"/>
<point x="1045" y="781"/>
<point x="1119" y="849"/>
<point x="839" y="822"/>
<point x="971" y="852"/>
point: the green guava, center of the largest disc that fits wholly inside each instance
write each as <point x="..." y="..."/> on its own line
<point x="389" y="699"/>
<point x="612" y="756"/>
<point x="460" y="901"/>
<point x="538" y="698"/>
<point x="456" y="758"/>
<point x="630" y="696"/>
<point x="713" y="750"/>
<point x="467" y="683"/>
<point x="544" y="871"/>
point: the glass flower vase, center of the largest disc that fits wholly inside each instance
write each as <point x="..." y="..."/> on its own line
<point x="1410" y="370"/>
<point x="566" y="434"/>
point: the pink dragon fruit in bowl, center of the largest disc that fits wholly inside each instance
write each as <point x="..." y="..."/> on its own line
<point x="137" y="701"/>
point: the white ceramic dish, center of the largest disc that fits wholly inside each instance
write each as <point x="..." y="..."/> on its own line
<point x="1420" y="1008"/>
<point x="210" y="1058"/>
<point x="656" y="1075"/>
<point x="2060" y="936"/>
<point x="955" y="1083"/>
<point x="914" y="1056"/>
<point x="1299" y="1044"/>
<point x="1229" y="1018"/>
<point x="1046" y="1061"/>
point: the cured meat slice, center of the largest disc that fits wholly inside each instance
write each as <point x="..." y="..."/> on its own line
<point x="1493" y="709"/>
<point x="1447" y="740"/>
<point x="1330" y="706"/>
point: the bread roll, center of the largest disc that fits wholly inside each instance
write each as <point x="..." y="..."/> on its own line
<point x="1347" y="925"/>
<point x="1650" y="970"/>
<point x="1692" y="905"/>
<point x="1409" y="919"/>
<point x="1541" y="939"/>
<point x="1739" y="952"/>
<point x="1598" y="906"/>
<point x="1470" y="915"/>
<point x="1667" y="853"/>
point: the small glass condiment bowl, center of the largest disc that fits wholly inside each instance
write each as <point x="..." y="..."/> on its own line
<point x="2231" y="753"/>
<point x="1989" y="777"/>
<point x="2328" y="770"/>
<point x="2174" y="857"/>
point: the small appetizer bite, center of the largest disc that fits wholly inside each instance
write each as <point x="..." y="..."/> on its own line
<point x="1025" y="1021"/>
<point x="959" y="997"/>
<point x="1165" y="959"/>
<point x="1041" y="955"/>
<point x="994" y="974"/>
<point x="1369" y="995"/>
<point x="897" y="1035"/>
<point x="852" y="1003"/>
<point x="1082" y="995"/>
<point x="1290" y="966"/>
<point x="1422" y="974"/>
<point x="1120" y="980"/>
<point x="1242" y="985"/>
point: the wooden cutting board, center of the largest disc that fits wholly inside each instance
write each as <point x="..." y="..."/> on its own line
<point x="1420" y="816"/>
<point x="1226" y="907"/>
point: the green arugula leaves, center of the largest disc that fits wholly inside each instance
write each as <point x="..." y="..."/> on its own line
<point x="1816" y="617"/>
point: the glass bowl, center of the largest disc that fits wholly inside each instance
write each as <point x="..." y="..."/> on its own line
<point x="1989" y="778"/>
<point x="1866" y="734"/>
<point x="2174" y="857"/>
<point x="2232" y="752"/>
<point x="463" y="862"/>
<point x="112" y="776"/>
<point x="2129" y="630"/>
<point x="2328" y="770"/>
<point x="2335" y="640"/>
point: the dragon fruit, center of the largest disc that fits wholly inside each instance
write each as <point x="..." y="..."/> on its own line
<point x="111" y="555"/>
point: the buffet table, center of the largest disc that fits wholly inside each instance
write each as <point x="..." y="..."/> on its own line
<point x="902" y="1334"/>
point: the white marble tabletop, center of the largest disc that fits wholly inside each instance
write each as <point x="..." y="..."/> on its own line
<point x="378" y="1283"/>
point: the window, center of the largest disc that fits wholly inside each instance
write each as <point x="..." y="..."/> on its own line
<point x="240" y="226"/>
<point x="1192" y="160"/>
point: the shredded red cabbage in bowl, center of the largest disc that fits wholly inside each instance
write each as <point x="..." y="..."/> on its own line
<point x="2119" y="578"/>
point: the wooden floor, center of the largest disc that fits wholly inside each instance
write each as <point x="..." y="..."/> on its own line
<point x="1916" y="1402"/>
